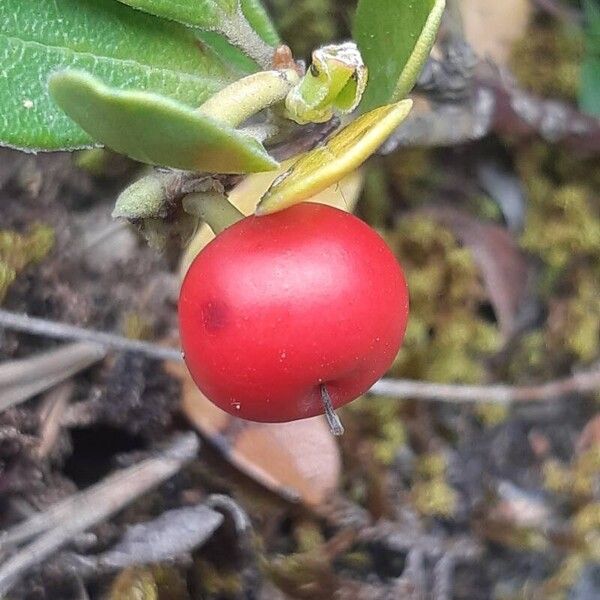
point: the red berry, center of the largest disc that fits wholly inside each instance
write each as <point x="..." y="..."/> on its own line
<point x="277" y="305"/>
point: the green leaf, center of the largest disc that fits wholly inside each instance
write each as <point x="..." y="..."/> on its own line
<point x="330" y="162"/>
<point x="155" y="129"/>
<point x="244" y="23"/>
<point x="395" y="38"/>
<point x="123" y="47"/>
<point x="230" y="54"/>
<point x="589" y="95"/>
<point x="206" y="14"/>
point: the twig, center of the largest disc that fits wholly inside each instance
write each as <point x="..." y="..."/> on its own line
<point x="63" y="521"/>
<point x="583" y="382"/>
<point x="63" y="331"/>
<point x="175" y="533"/>
<point x="53" y="408"/>
<point x="22" y="379"/>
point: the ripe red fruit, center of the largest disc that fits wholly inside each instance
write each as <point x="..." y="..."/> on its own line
<point x="278" y="305"/>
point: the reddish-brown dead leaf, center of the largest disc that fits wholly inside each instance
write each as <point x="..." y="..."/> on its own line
<point x="589" y="436"/>
<point x="493" y="27"/>
<point x="504" y="268"/>
<point x="298" y="460"/>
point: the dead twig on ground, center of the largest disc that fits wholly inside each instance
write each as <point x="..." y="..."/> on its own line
<point x="53" y="329"/>
<point x="53" y="408"/>
<point x="22" y="379"/>
<point x="59" y="524"/>
<point x="583" y="382"/>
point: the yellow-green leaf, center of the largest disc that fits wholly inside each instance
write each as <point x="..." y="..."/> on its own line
<point x="330" y="162"/>
<point x="155" y="129"/>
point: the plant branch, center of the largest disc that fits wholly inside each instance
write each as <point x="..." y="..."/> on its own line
<point x="213" y="208"/>
<point x="583" y="382"/>
<point x="241" y="34"/>
<point x="60" y="523"/>
<point x="21" y="379"/>
<point x="63" y="331"/>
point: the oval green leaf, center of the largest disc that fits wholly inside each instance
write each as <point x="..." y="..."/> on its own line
<point x="395" y="38"/>
<point x="155" y="129"/>
<point x="245" y="23"/>
<point x="124" y="47"/>
<point x="340" y="155"/>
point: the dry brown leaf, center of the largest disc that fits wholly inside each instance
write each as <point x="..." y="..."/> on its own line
<point x="504" y="268"/>
<point x="589" y="436"/>
<point x="298" y="460"/>
<point x="493" y="27"/>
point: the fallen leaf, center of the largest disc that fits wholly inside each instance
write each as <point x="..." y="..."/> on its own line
<point x="589" y="436"/>
<point x="173" y="534"/>
<point x="504" y="268"/>
<point x="299" y="460"/>
<point x="493" y="27"/>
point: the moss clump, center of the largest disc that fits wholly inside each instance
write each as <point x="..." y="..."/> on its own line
<point x="432" y="495"/>
<point x="18" y="250"/>
<point x="577" y="480"/>
<point x="492" y="413"/>
<point x="214" y="582"/>
<point x="547" y="61"/>
<point x="446" y="339"/>
<point x="303" y="575"/>
<point x="380" y="422"/>
<point x="562" y="221"/>
<point x="136" y="326"/>
<point x="562" y="229"/>
<point x="134" y="584"/>
<point x="561" y="582"/>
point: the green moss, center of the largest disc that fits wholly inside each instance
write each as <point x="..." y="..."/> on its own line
<point x="562" y="218"/>
<point x="446" y="340"/>
<point x="137" y="326"/>
<point x="547" y="61"/>
<point x="577" y="480"/>
<point x="561" y="223"/>
<point x="135" y="583"/>
<point x="492" y="413"/>
<point x="308" y="536"/>
<point x="17" y="251"/>
<point x="561" y="582"/>
<point x="431" y="494"/>
<point x="303" y="575"/>
<point x="380" y="422"/>
<point x="434" y="498"/>
<point x="562" y="229"/>
<point x="217" y="582"/>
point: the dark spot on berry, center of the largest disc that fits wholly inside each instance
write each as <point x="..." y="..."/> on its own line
<point x="214" y="316"/>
